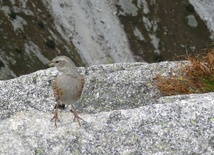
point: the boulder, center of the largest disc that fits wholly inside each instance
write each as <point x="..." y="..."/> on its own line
<point x="123" y="112"/>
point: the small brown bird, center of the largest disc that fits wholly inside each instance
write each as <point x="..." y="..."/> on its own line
<point x="68" y="85"/>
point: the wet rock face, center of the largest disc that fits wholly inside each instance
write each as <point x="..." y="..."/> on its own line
<point x="99" y="32"/>
<point x="34" y="32"/>
<point x="123" y="112"/>
<point x="159" y="30"/>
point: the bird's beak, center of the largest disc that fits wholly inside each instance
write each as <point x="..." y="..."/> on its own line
<point x="50" y="64"/>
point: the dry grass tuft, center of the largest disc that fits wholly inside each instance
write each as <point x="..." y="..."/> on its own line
<point x="196" y="77"/>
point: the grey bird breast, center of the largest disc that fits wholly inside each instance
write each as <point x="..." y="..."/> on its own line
<point x="70" y="87"/>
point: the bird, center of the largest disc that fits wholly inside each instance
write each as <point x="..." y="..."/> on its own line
<point x="68" y="86"/>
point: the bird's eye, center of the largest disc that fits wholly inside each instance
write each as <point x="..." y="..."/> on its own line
<point x="57" y="62"/>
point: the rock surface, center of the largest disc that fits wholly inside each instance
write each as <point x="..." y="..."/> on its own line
<point x="123" y="112"/>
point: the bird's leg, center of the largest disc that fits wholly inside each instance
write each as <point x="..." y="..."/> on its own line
<point x="55" y="117"/>
<point x="76" y="116"/>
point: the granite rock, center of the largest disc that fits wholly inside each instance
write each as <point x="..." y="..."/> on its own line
<point x="124" y="114"/>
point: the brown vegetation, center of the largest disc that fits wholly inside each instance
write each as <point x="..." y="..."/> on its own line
<point x="195" y="77"/>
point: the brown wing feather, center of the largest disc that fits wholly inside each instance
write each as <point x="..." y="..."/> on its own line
<point x="82" y="86"/>
<point x="57" y="90"/>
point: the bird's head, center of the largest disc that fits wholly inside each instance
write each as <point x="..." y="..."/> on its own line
<point x="64" y="65"/>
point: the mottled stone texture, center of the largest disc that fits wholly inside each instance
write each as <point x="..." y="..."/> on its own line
<point x="123" y="111"/>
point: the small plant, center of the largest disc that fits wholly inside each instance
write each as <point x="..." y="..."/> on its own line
<point x="1" y="64"/>
<point x="195" y="77"/>
<point x="12" y="14"/>
<point x="50" y="43"/>
<point x="18" y="50"/>
<point x="158" y="58"/>
<point x="41" y="24"/>
<point x="190" y="8"/>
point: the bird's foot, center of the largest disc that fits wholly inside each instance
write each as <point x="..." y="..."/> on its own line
<point x="55" y="117"/>
<point x="76" y="116"/>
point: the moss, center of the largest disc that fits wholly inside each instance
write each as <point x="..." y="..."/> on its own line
<point x="209" y="84"/>
<point x="50" y="43"/>
<point x="190" y="8"/>
<point x="76" y="152"/>
<point x="35" y="79"/>
<point x="121" y="131"/>
<point x="164" y="125"/>
<point x="192" y="122"/>
<point x="12" y="14"/>
<point x="1" y="64"/>
<point x="41" y="24"/>
<point x="39" y="151"/>
<point x="18" y="50"/>
<point x="158" y="58"/>
<point x="109" y="60"/>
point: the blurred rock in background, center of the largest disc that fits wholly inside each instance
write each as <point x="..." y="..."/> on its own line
<point x="96" y="32"/>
